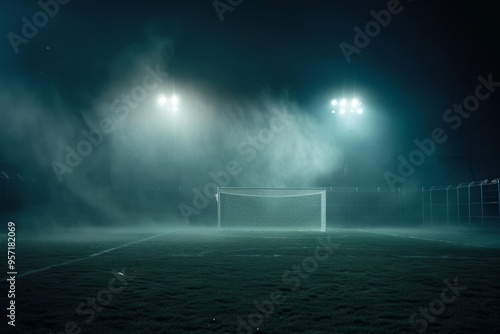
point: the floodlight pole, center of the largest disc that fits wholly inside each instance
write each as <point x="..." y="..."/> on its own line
<point x="349" y="111"/>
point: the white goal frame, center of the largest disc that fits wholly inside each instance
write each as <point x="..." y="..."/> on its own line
<point x="273" y="192"/>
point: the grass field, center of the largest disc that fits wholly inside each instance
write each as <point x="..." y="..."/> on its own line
<point x="206" y="281"/>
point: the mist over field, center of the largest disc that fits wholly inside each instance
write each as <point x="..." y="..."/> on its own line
<point x="118" y="144"/>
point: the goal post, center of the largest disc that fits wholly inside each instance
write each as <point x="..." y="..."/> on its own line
<point x="292" y="209"/>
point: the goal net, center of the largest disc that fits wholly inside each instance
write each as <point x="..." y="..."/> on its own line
<point x="292" y="209"/>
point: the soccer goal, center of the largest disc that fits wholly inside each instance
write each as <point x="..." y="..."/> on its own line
<point x="292" y="209"/>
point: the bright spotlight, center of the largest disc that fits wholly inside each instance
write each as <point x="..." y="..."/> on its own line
<point x="170" y="104"/>
<point x="162" y="100"/>
<point x="347" y="107"/>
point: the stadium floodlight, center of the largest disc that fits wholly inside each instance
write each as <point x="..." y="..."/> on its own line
<point x="353" y="105"/>
<point x="259" y="209"/>
<point x="170" y="104"/>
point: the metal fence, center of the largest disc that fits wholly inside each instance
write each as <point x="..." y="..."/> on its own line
<point x="467" y="205"/>
<point x="472" y="205"/>
<point x="358" y="206"/>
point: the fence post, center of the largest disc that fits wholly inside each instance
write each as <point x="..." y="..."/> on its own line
<point x="423" y="208"/>
<point x="468" y="195"/>
<point x="482" y="207"/>
<point x="447" y="208"/>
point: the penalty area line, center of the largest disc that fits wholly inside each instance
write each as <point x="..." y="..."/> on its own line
<point x="92" y="255"/>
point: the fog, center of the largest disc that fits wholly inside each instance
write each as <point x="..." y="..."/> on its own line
<point x="123" y="176"/>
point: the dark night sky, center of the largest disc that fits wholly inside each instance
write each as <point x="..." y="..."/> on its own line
<point x="424" y="61"/>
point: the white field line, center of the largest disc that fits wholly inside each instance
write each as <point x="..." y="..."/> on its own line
<point x="276" y="237"/>
<point x="90" y="256"/>
<point x="427" y="239"/>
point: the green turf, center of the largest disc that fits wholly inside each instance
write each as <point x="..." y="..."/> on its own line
<point x="187" y="282"/>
